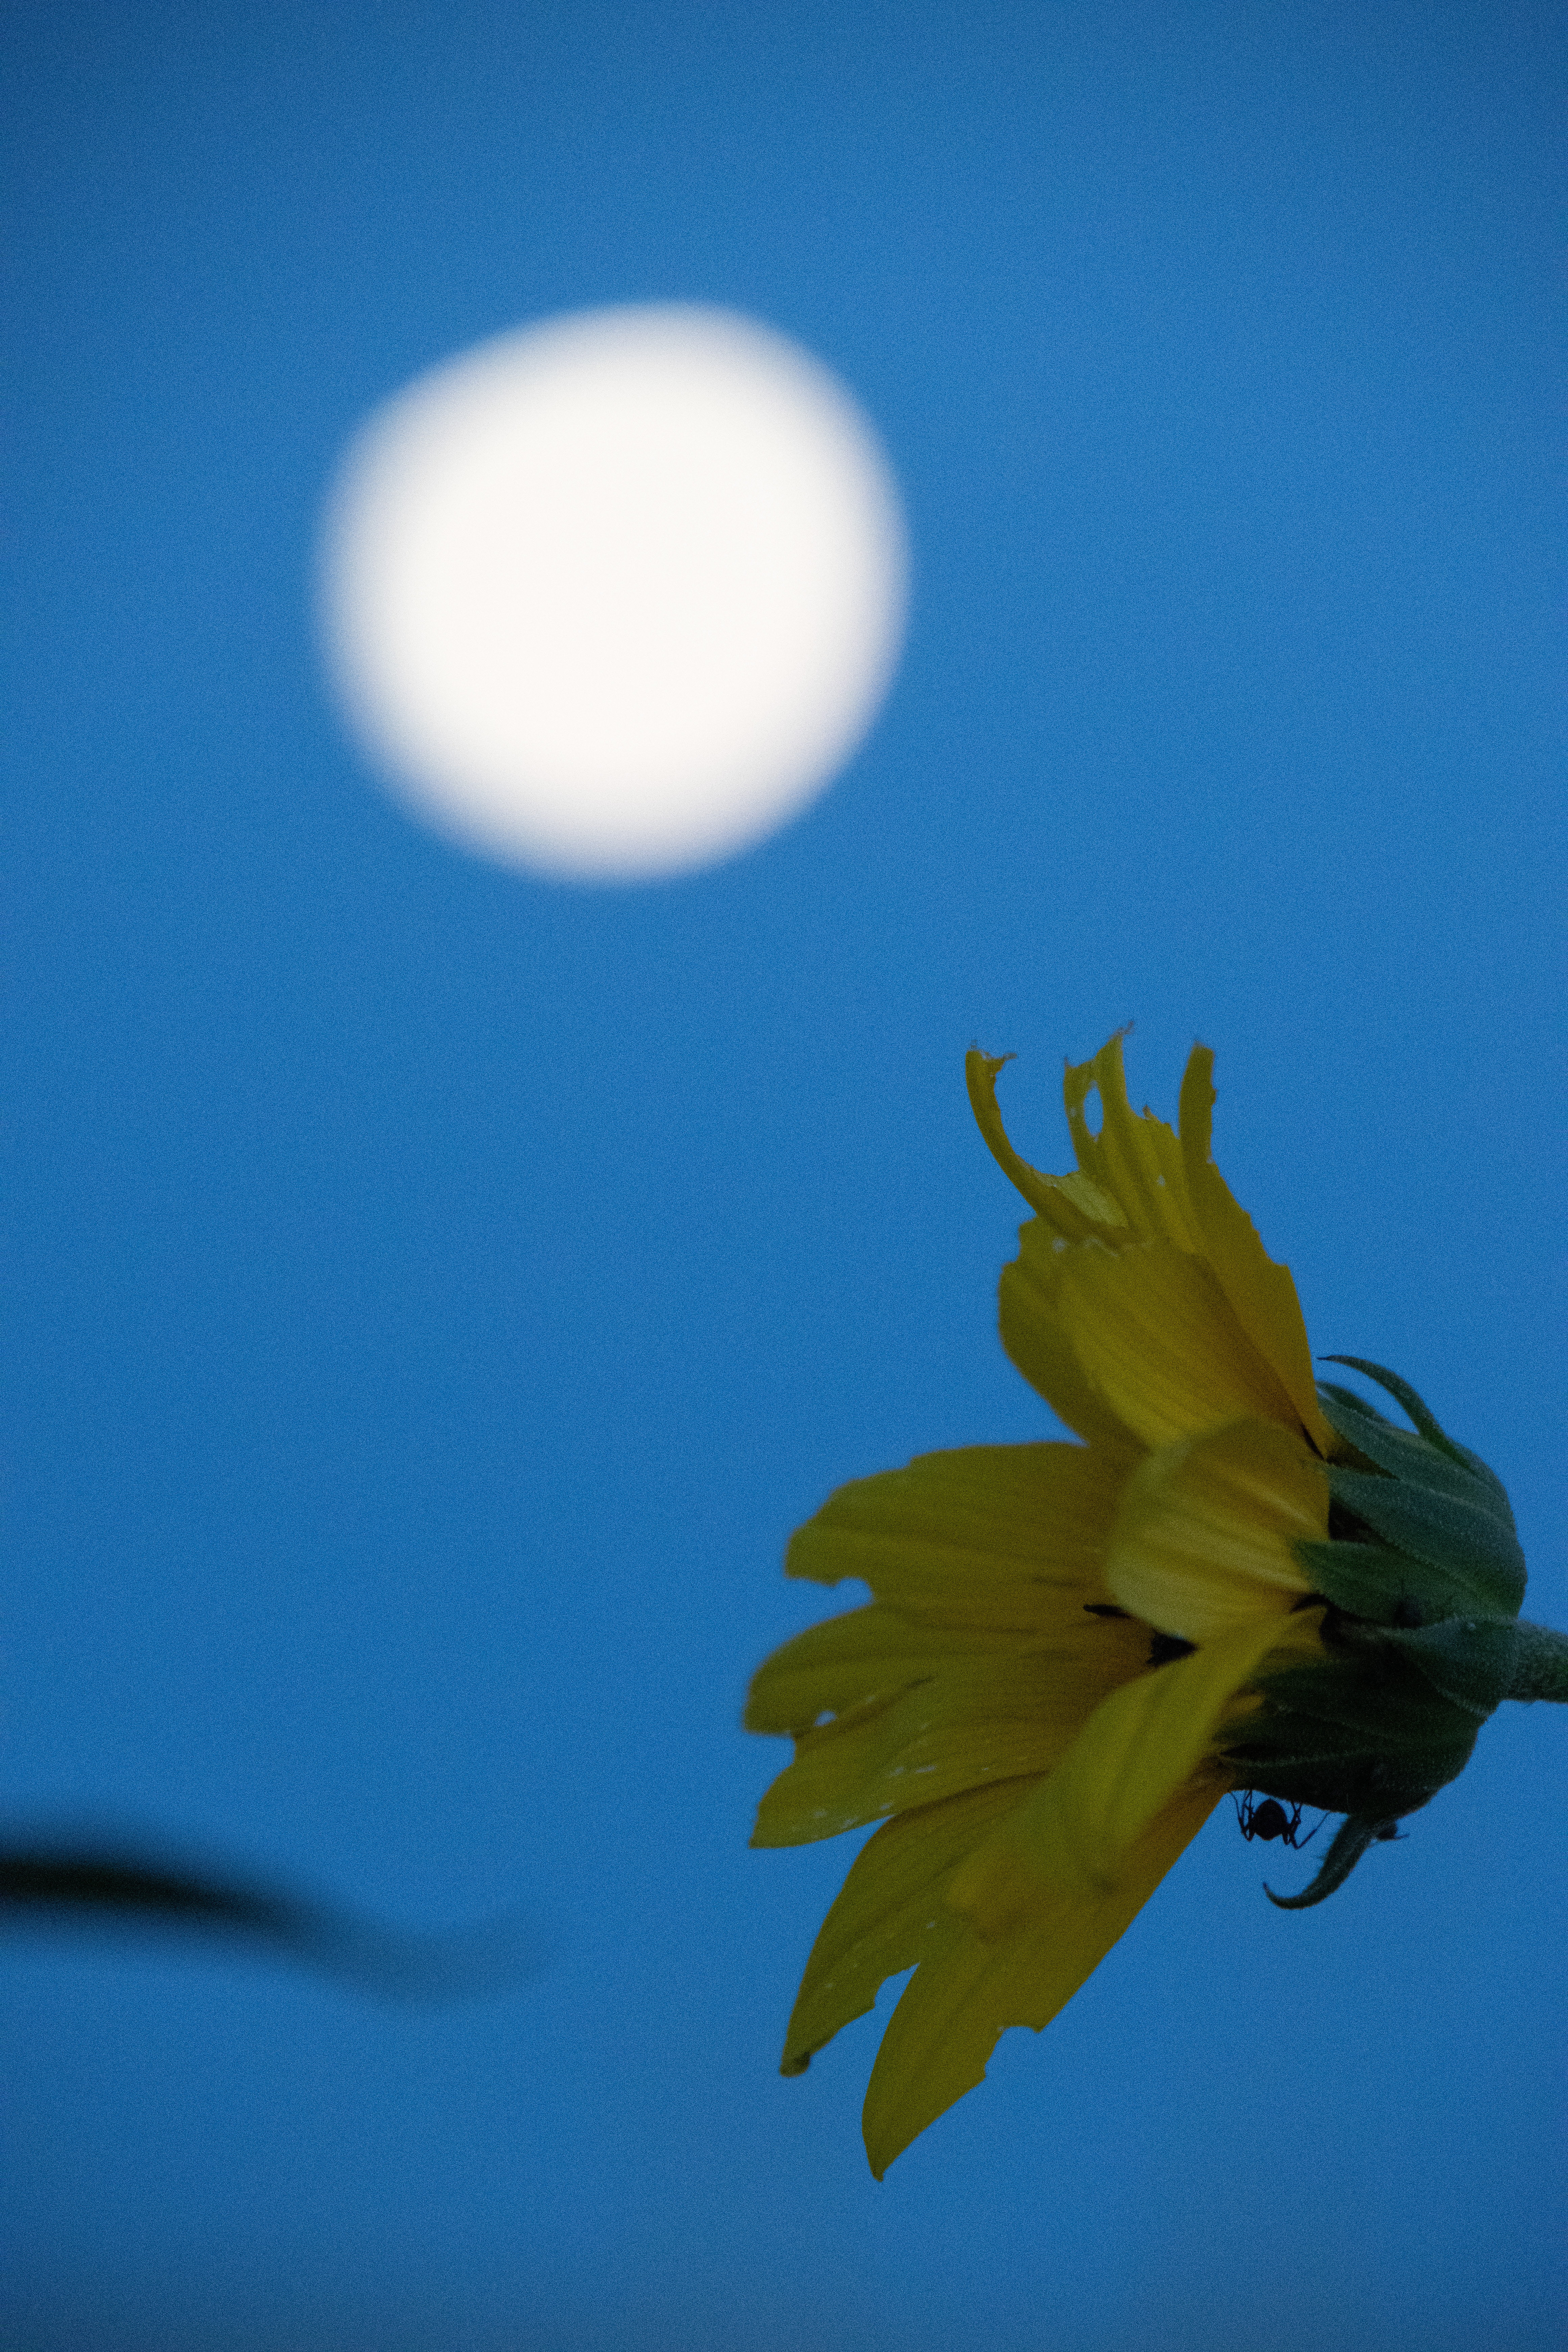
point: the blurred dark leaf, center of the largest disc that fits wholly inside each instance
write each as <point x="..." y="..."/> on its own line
<point x="45" y="1885"/>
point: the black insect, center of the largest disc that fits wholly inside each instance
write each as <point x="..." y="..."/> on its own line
<point x="1269" y="1819"/>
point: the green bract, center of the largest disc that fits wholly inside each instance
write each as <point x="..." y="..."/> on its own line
<point x="1425" y="1580"/>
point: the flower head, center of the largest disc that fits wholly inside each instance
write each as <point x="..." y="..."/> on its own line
<point x="1236" y="1579"/>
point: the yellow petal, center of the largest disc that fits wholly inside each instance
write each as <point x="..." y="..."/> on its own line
<point x="1070" y="1205"/>
<point x="1142" y="1744"/>
<point x="869" y="1653"/>
<point x="961" y="1998"/>
<point x="1261" y="1292"/>
<point x="890" y="1913"/>
<point x="1038" y="1340"/>
<point x="975" y="1719"/>
<point x="1154" y="1335"/>
<point x="1205" y="1534"/>
<point x="985" y="1536"/>
<point x="1138" y="1161"/>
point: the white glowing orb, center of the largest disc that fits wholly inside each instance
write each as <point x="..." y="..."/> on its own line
<point x="617" y="595"/>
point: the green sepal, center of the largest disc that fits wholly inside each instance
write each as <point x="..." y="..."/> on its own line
<point x="1367" y="1733"/>
<point x="1385" y="1587"/>
<point x="1403" y="1454"/>
<point x="1424" y="1577"/>
<point x="1420" y="1412"/>
<point x="1313" y="1746"/>
<point x="1378" y="1696"/>
<point x="1350" y="1841"/>
<point x="1458" y="1537"/>
<point x="1376" y="1786"/>
<point x="1469" y="1660"/>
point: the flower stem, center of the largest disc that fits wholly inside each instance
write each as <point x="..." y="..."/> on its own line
<point x="1539" y="1664"/>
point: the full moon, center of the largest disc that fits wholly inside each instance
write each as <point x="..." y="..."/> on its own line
<point x="616" y="595"/>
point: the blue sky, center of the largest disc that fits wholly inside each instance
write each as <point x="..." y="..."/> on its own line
<point x="434" y="1295"/>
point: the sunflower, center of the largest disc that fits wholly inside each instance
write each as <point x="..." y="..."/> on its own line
<point x="1236" y="1579"/>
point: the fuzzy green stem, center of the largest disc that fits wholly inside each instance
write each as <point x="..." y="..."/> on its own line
<point x="1540" y="1667"/>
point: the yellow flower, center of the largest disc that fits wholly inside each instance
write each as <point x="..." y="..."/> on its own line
<point x="1072" y="1651"/>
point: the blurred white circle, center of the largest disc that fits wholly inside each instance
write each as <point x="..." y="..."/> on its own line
<point x="617" y="595"/>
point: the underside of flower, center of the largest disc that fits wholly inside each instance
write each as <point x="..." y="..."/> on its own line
<point x="1233" y="1580"/>
<point x="1423" y="1579"/>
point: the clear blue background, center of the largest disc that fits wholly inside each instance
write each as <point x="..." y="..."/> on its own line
<point x="435" y="1295"/>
